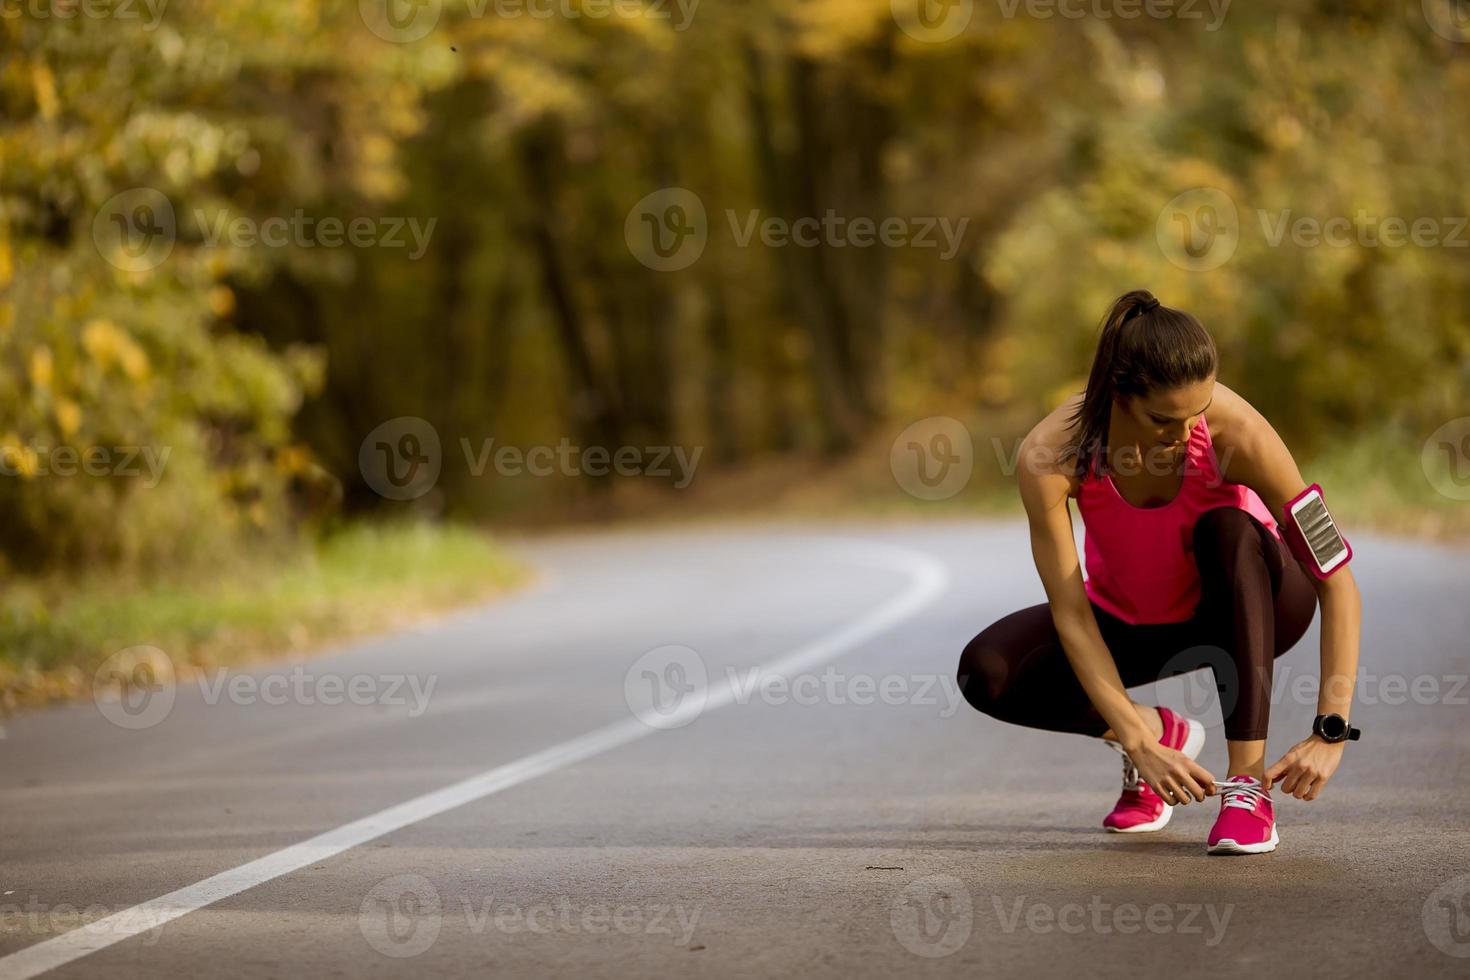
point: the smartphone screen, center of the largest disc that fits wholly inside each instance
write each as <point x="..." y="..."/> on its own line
<point x="1317" y="527"/>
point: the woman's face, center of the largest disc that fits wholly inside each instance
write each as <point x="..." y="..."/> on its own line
<point x="1166" y="417"/>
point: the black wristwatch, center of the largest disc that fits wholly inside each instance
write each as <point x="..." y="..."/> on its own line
<point x="1334" y="728"/>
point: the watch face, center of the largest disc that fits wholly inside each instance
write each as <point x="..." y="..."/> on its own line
<point x="1333" y="727"/>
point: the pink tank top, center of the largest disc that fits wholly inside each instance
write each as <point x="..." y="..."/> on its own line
<point x="1140" y="560"/>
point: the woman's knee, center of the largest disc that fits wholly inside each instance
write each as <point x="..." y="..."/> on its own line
<point x="984" y="672"/>
<point x="1226" y="535"/>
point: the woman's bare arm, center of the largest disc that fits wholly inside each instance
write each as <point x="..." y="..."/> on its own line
<point x="1252" y="453"/>
<point x="1044" y="491"/>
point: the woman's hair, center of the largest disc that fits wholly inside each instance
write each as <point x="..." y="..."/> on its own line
<point x="1144" y="347"/>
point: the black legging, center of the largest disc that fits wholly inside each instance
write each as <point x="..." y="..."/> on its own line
<point x="1255" y="603"/>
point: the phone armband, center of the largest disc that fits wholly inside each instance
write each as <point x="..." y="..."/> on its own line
<point x="1312" y="534"/>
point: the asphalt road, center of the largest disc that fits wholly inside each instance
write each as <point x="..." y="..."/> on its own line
<point x="548" y="786"/>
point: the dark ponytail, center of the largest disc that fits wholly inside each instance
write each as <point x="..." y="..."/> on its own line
<point x="1144" y="347"/>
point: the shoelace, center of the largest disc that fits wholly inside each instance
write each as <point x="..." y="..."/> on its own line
<point x="1131" y="780"/>
<point x="1241" y="796"/>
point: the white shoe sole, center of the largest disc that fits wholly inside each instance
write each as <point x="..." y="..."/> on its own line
<point x="1228" y="846"/>
<point x="1194" y="744"/>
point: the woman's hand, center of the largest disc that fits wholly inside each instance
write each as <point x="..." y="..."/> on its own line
<point x="1305" y="769"/>
<point x="1173" y="775"/>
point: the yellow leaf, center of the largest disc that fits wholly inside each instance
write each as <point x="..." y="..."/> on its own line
<point x="100" y="341"/>
<point x="134" y="361"/>
<point x="41" y="367"/>
<point x="221" y="301"/>
<point x="68" y="416"/>
<point x="44" y="85"/>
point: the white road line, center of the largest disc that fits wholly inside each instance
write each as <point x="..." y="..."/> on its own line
<point x="928" y="579"/>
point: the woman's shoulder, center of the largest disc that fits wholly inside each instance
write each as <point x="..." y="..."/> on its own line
<point x="1230" y="417"/>
<point x="1043" y="451"/>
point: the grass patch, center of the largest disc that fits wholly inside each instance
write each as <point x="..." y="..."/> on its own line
<point x="360" y="580"/>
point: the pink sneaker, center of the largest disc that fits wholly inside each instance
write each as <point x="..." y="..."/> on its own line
<point x="1247" y="821"/>
<point x="1139" y="809"/>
